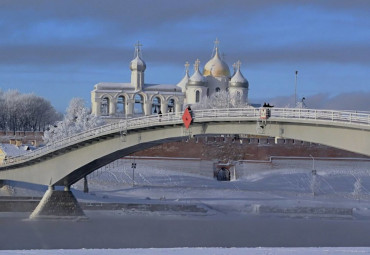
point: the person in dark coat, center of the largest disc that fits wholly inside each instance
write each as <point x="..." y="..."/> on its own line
<point x="160" y="115"/>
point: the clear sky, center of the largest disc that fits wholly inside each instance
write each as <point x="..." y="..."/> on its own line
<point x="60" y="49"/>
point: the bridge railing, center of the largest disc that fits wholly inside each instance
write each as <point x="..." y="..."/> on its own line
<point x="361" y="118"/>
<point x="346" y="117"/>
<point x="322" y="115"/>
<point x="227" y="113"/>
<point x="124" y="125"/>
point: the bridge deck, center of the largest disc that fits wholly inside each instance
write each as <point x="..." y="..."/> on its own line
<point x="342" y="119"/>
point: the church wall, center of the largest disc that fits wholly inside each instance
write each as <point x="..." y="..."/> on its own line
<point x="129" y="102"/>
<point x="217" y="82"/>
<point x="137" y="79"/>
<point x="191" y="93"/>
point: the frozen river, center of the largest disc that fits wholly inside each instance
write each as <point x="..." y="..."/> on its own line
<point x="155" y="231"/>
<point x="276" y="204"/>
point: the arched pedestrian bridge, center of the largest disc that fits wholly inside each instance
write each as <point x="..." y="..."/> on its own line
<point x="67" y="161"/>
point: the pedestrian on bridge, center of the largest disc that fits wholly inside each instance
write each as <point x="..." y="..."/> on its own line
<point x="160" y="115"/>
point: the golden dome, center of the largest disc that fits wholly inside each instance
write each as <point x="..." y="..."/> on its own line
<point x="216" y="67"/>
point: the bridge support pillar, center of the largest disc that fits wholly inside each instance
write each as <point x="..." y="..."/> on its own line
<point x="58" y="204"/>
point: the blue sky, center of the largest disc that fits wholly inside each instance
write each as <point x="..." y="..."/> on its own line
<point x="60" y="49"/>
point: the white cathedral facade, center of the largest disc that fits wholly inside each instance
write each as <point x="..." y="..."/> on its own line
<point x="137" y="98"/>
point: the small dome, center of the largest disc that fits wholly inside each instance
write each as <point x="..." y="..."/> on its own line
<point x="197" y="78"/>
<point x="137" y="63"/>
<point x="216" y="67"/>
<point x="185" y="80"/>
<point x="238" y="79"/>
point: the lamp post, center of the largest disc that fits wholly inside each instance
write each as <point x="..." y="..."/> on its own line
<point x="295" y="89"/>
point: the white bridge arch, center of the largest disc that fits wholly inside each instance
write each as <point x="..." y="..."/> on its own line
<point x="67" y="161"/>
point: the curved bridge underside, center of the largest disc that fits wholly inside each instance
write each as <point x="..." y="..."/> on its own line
<point x="67" y="165"/>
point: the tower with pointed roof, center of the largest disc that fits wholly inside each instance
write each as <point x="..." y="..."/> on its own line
<point x="184" y="81"/>
<point x="137" y="67"/>
<point x="238" y="85"/>
<point x="196" y="88"/>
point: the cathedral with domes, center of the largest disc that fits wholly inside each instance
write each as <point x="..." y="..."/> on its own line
<point x="137" y="98"/>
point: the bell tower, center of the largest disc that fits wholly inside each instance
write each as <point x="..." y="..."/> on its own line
<point x="137" y="67"/>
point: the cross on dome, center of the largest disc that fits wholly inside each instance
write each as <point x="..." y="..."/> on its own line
<point x="215" y="47"/>
<point x="187" y="67"/>
<point x="138" y="63"/>
<point x="196" y="65"/>
<point x="217" y="42"/>
<point x="238" y="64"/>
<point x="137" y="49"/>
<point x="138" y="45"/>
<point x="234" y="67"/>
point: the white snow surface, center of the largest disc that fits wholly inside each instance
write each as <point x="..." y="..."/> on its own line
<point x="197" y="251"/>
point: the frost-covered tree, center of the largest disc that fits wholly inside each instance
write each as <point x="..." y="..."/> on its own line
<point x="220" y="100"/>
<point x="76" y="120"/>
<point x="25" y="112"/>
<point x="3" y="124"/>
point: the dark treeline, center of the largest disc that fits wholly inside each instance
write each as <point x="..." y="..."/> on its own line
<point x="25" y="112"/>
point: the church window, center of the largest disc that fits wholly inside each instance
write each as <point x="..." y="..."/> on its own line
<point x="139" y="105"/>
<point x="156" y="105"/>
<point x="218" y="89"/>
<point x="197" y="96"/>
<point x="171" y="105"/>
<point x="120" y="105"/>
<point x="104" y="107"/>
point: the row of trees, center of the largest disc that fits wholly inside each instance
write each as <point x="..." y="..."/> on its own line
<point x="25" y="112"/>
